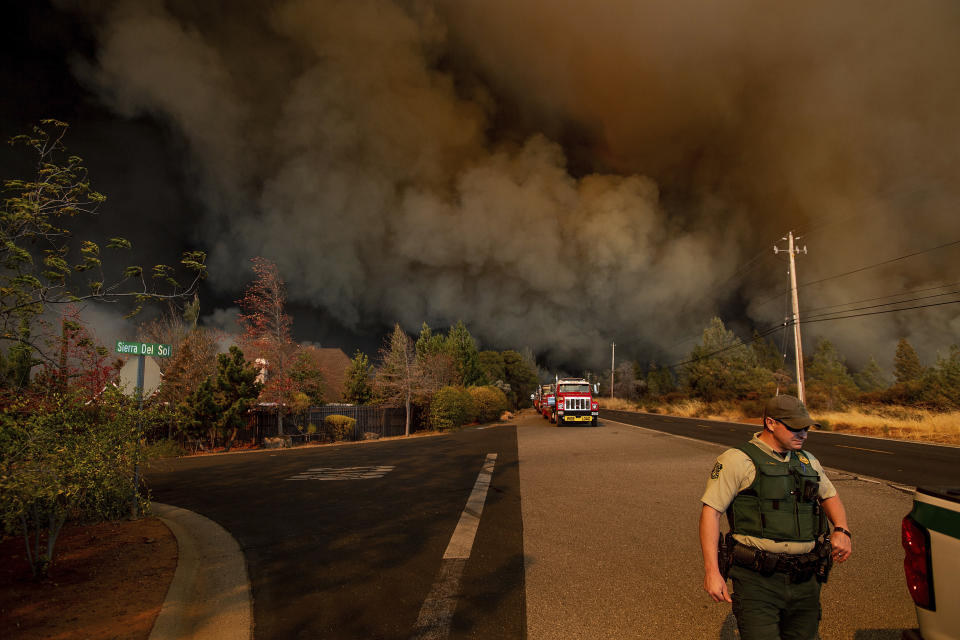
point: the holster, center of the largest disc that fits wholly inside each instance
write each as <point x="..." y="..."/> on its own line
<point x="824" y="552"/>
<point x="725" y="547"/>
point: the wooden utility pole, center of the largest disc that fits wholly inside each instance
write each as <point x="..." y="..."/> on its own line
<point x="613" y="351"/>
<point x="792" y="250"/>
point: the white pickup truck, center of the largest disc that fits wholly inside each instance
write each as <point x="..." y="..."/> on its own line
<point x="931" y="540"/>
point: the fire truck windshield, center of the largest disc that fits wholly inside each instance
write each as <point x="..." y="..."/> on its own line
<point x="575" y="388"/>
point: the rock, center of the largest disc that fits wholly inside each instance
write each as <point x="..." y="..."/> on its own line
<point x="506" y="415"/>
<point x="276" y="443"/>
<point x="370" y="435"/>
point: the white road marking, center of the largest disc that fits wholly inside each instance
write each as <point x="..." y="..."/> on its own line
<point x="433" y="623"/>
<point x="343" y="473"/>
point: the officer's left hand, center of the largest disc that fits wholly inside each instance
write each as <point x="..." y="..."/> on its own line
<point x="842" y="546"/>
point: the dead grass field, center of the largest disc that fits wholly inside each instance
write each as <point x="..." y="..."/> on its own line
<point x="904" y="423"/>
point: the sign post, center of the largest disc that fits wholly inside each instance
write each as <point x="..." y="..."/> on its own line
<point x="141" y="350"/>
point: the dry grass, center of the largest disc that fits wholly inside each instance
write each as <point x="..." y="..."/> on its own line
<point x="905" y="423"/>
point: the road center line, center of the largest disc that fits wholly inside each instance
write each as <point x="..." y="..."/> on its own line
<point x="433" y="623"/>
<point x="846" y="446"/>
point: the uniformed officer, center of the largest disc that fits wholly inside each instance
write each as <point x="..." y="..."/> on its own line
<point x="777" y="499"/>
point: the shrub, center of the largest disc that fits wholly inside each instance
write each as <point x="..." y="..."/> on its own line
<point x="490" y="402"/>
<point x="339" y="427"/>
<point x="66" y="458"/>
<point x="451" y="407"/>
<point x="164" y="449"/>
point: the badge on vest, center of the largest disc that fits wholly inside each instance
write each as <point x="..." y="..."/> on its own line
<point x="716" y="471"/>
<point x="802" y="458"/>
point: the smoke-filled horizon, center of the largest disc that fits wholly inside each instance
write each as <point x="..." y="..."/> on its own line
<point x="560" y="178"/>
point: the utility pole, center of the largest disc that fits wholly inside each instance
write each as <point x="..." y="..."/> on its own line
<point x="793" y="250"/>
<point x="613" y="351"/>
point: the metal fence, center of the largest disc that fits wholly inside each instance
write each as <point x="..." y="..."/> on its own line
<point x="382" y="421"/>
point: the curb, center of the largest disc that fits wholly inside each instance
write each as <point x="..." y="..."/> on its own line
<point x="209" y="596"/>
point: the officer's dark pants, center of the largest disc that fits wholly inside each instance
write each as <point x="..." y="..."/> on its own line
<point x="773" y="608"/>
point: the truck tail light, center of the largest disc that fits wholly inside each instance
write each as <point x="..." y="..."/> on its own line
<point x="916" y="563"/>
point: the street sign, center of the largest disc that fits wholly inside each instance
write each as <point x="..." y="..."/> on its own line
<point x="144" y="349"/>
<point x="151" y="377"/>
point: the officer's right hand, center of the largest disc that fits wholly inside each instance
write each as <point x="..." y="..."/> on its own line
<point x="716" y="586"/>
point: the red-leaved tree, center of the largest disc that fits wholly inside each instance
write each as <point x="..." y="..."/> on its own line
<point x="266" y="334"/>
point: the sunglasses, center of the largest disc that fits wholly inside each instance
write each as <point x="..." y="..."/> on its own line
<point x="792" y="429"/>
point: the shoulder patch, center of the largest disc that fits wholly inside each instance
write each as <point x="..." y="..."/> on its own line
<point x="716" y="471"/>
<point x="802" y="458"/>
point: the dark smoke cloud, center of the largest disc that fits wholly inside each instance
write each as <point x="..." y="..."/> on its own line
<point x="404" y="160"/>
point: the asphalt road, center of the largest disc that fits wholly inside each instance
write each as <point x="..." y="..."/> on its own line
<point x="587" y="532"/>
<point x="355" y="557"/>
<point x="910" y="464"/>
<point x="610" y="518"/>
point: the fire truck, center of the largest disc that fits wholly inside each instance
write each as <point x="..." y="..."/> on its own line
<point x="540" y="397"/>
<point x="574" y="402"/>
<point x="545" y="401"/>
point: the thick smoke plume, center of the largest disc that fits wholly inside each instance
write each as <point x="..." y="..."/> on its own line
<point x="562" y="175"/>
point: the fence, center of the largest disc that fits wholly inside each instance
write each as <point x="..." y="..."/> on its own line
<point x="382" y="421"/>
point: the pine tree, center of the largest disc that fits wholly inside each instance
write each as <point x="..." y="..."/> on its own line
<point x="906" y="363"/>
<point x="463" y="349"/>
<point x="237" y="390"/>
<point x="870" y="378"/>
<point x="829" y="381"/>
<point x="357" y="389"/>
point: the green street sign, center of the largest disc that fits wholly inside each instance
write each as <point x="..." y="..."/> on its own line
<point x="144" y="349"/>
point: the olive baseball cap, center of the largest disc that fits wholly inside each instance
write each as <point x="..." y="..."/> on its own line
<point x="790" y="411"/>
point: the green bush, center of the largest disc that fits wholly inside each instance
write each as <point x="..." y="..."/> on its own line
<point x="339" y="427"/>
<point x="66" y="458"/>
<point x="163" y="449"/>
<point x="490" y="402"/>
<point x="452" y="407"/>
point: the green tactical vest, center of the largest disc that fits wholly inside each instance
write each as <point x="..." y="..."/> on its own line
<point x="773" y="506"/>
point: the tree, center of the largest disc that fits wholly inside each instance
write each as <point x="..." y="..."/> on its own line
<point x="830" y="384"/>
<point x="491" y="364"/>
<point x="194" y="351"/>
<point x="906" y="363"/>
<point x="520" y="376"/>
<point x="199" y="412"/>
<point x="266" y="333"/>
<point x="870" y="378"/>
<point x="940" y="388"/>
<point x="41" y="264"/>
<point x="625" y="381"/>
<point x="306" y="373"/>
<point x="766" y="353"/>
<point x="357" y="389"/>
<point x="398" y="377"/>
<point x="660" y="381"/>
<point x="236" y="391"/>
<point x="721" y="367"/>
<point x="463" y="349"/>
<point x="428" y="343"/>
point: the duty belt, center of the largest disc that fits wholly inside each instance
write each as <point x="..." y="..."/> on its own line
<point x="800" y="567"/>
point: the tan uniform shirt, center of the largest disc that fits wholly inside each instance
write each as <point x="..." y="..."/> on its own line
<point x="734" y="472"/>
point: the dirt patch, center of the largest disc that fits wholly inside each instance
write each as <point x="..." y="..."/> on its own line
<point x="109" y="580"/>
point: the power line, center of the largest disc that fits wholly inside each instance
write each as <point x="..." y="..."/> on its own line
<point x="776" y="328"/>
<point x="879" y="264"/>
<point x="874" y="313"/>
<point x="886" y="304"/>
<point x="871" y="266"/>
<point x="737" y="344"/>
<point x="891" y="295"/>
